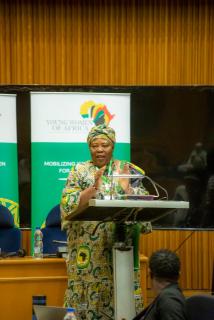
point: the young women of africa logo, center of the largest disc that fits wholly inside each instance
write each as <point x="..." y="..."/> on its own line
<point x="98" y="112"/>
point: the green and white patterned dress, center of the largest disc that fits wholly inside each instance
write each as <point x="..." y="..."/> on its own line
<point x="89" y="263"/>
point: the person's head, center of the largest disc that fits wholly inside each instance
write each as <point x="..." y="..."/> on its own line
<point x="101" y="140"/>
<point x="164" y="266"/>
<point x="198" y="146"/>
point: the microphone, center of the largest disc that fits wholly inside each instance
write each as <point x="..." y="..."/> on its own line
<point x="59" y="241"/>
<point x="19" y="253"/>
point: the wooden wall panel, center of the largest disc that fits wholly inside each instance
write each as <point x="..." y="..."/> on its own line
<point x="195" y="249"/>
<point x="107" y="42"/>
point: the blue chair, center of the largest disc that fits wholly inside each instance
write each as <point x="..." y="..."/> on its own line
<point x="52" y="231"/>
<point x="10" y="235"/>
<point x="200" y="307"/>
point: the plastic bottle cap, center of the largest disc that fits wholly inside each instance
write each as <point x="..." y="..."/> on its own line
<point x="69" y="309"/>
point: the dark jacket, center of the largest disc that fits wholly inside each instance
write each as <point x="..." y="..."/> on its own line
<point x="168" y="305"/>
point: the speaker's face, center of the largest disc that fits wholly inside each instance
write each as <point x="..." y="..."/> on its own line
<point x="101" y="151"/>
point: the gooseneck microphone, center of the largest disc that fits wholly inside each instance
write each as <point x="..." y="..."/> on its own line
<point x="19" y="253"/>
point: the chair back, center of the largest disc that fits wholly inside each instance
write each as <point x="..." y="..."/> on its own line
<point x="52" y="231"/>
<point x="10" y="235"/>
<point x="200" y="307"/>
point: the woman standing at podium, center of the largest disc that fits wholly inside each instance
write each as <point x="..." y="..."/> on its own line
<point x="89" y="263"/>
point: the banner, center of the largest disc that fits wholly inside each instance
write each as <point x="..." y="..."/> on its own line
<point x="60" y="123"/>
<point x="8" y="155"/>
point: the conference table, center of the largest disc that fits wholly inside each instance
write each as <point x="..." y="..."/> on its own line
<point x="21" y="279"/>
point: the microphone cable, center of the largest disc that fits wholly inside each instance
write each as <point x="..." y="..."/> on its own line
<point x="19" y="253"/>
<point x="182" y="243"/>
<point x="108" y="219"/>
<point x="155" y="185"/>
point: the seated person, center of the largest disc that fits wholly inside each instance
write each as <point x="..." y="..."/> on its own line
<point x="169" y="304"/>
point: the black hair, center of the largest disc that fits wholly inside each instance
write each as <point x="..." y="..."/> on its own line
<point x="165" y="265"/>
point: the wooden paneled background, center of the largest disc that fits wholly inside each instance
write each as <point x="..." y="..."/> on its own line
<point x="116" y="42"/>
<point x="107" y="42"/>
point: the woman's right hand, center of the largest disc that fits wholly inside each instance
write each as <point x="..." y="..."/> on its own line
<point x="90" y="192"/>
<point x="97" y="177"/>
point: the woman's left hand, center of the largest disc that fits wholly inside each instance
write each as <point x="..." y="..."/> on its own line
<point x="124" y="182"/>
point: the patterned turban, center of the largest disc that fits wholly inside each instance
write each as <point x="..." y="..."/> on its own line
<point x="101" y="131"/>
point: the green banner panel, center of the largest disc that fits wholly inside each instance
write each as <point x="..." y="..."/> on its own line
<point x="9" y="178"/>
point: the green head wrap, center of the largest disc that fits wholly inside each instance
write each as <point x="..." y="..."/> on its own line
<point x="101" y="131"/>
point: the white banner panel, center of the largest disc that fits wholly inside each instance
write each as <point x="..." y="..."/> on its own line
<point x="8" y="129"/>
<point x="68" y="117"/>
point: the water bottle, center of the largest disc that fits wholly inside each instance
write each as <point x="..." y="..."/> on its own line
<point x="70" y="314"/>
<point x="38" y="244"/>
